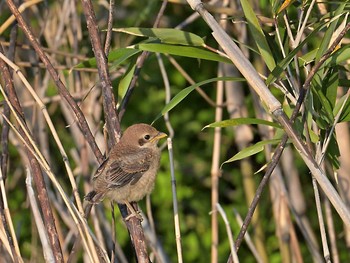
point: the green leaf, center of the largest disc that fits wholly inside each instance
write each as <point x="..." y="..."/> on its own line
<point x="345" y="114"/>
<point x="165" y="35"/>
<point x="184" y="93"/>
<point x="307" y="58"/>
<point x="344" y="82"/>
<point x="184" y="51"/>
<point x="338" y="57"/>
<point x="332" y="152"/>
<point x="281" y="66"/>
<point x="329" y="32"/>
<point x="240" y="121"/>
<point x="324" y="90"/>
<point x="120" y="55"/>
<point x="325" y="111"/>
<point x="125" y="81"/>
<point x="116" y="56"/>
<point x="330" y="85"/>
<point x="251" y="150"/>
<point x="258" y="35"/>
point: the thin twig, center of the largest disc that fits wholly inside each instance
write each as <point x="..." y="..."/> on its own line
<point x="331" y="231"/>
<point x="109" y="27"/>
<point x="326" y="254"/>
<point x="229" y="232"/>
<point x="167" y="96"/>
<point x="109" y="106"/>
<point x="183" y="72"/>
<point x="248" y="240"/>
<point x="139" y="64"/>
<point x="175" y="205"/>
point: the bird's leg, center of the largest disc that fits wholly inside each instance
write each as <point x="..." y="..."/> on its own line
<point x="132" y="212"/>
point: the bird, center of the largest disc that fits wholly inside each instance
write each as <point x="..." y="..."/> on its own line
<point x="128" y="173"/>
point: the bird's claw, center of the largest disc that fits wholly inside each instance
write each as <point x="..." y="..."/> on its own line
<point x="136" y="214"/>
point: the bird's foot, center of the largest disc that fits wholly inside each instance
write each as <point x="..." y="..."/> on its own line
<point x="133" y="213"/>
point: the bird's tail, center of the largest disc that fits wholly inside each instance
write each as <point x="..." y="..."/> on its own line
<point x="93" y="197"/>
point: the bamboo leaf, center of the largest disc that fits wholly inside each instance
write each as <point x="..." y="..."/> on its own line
<point x="125" y="81"/>
<point x="165" y="35"/>
<point x="185" y="92"/>
<point x="184" y="51"/>
<point x="281" y="66"/>
<point x="342" y="55"/>
<point x="116" y="57"/>
<point x="330" y="30"/>
<point x="251" y="150"/>
<point x="345" y="114"/>
<point x="258" y="35"/>
<point x="240" y="121"/>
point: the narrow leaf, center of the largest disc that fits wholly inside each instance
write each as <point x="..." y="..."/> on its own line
<point x="165" y="35"/>
<point x="240" y="121"/>
<point x="345" y="114"/>
<point x="116" y="56"/>
<point x="184" y="51"/>
<point x="258" y="35"/>
<point x="342" y="55"/>
<point x="251" y="150"/>
<point x="184" y="93"/>
<point x="281" y="66"/>
<point x="125" y="81"/>
<point x="326" y="40"/>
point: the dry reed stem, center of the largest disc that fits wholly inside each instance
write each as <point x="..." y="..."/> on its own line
<point x="29" y="143"/>
<point x="215" y="171"/>
<point x="48" y="253"/>
<point x="61" y="87"/>
<point x="50" y="124"/>
<point x="37" y="172"/>
<point x="21" y="9"/>
<point x="12" y="241"/>
<point x="6" y="245"/>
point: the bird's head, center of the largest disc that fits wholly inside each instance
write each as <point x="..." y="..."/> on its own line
<point x="142" y="135"/>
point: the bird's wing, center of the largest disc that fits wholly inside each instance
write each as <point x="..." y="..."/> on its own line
<point x="128" y="169"/>
<point x="100" y="169"/>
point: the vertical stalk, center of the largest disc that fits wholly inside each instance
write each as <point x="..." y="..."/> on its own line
<point x="215" y="170"/>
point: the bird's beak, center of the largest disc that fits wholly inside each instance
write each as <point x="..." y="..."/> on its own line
<point x="159" y="136"/>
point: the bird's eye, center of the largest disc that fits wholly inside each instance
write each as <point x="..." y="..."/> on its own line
<point x="147" y="137"/>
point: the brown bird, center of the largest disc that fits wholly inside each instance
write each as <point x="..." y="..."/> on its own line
<point x="129" y="172"/>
